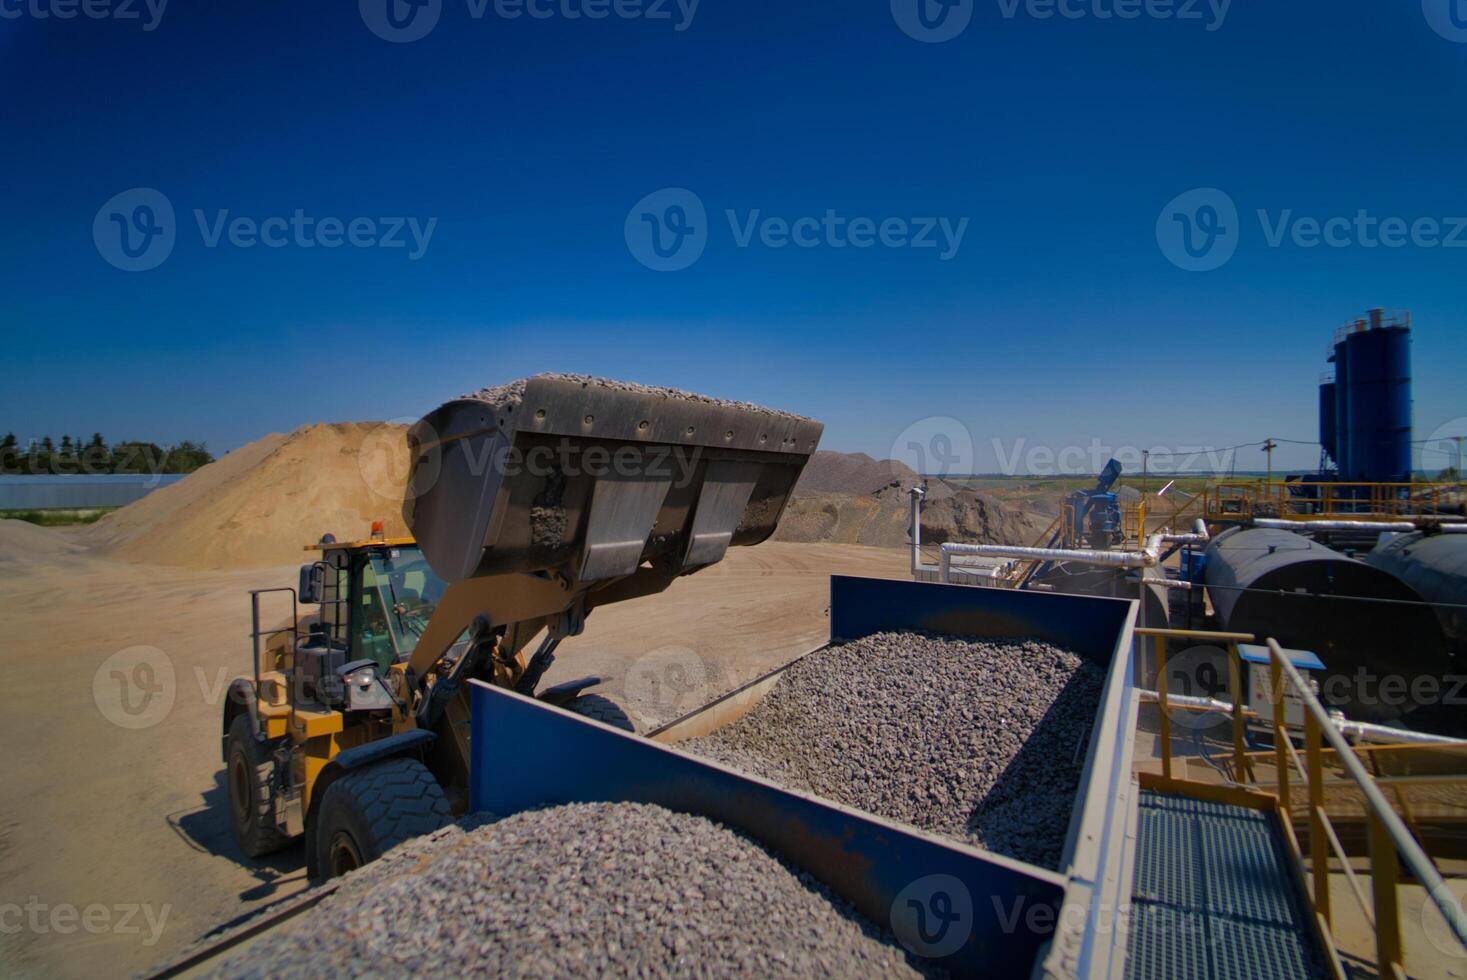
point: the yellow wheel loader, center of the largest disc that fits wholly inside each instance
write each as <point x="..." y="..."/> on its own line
<point x="530" y="505"/>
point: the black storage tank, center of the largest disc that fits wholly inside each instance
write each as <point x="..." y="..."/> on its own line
<point x="1303" y="601"/>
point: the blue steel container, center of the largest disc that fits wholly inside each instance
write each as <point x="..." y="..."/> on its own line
<point x="1327" y="418"/>
<point x="1341" y="455"/>
<point x="1380" y="403"/>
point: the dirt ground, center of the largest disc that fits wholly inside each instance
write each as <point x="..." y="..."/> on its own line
<point x="115" y="850"/>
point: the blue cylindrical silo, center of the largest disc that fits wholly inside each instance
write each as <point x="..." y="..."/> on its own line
<point x="1327" y="419"/>
<point x="1380" y="401"/>
<point x="1342" y="411"/>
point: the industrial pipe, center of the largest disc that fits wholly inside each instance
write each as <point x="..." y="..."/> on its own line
<point x="1199" y="535"/>
<point x="917" y="494"/>
<point x="1148" y="557"/>
<point x="1283" y="524"/>
<point x="1360" y="731"/>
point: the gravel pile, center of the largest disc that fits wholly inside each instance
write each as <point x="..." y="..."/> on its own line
<point x="979" y="740"/>
<point x="511" y="394"/>
<point x="583" y="890"/>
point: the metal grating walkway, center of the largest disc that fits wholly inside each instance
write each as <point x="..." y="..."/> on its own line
<point x="1214" y="897"/>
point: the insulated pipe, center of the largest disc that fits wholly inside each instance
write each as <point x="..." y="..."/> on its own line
<point x="1199" y="535"/>
<point x="1283" y="524"/>
<point x="1146" y="558"/>
<point x="1362" y="731"/>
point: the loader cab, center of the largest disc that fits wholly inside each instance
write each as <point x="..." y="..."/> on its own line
<point x="376" y="599"/>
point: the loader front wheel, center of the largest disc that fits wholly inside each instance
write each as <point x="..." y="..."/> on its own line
<point x="251" y="806"/>
<point x="603" y="710"/>
<point x="367" y="812"/>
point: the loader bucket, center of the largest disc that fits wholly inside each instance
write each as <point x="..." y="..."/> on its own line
<point x="584" y="479"/>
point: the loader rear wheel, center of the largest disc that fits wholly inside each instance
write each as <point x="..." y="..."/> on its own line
<point x="367" y="812"/>
<point x="603" y="710"/>
<point x="251" y="803"/>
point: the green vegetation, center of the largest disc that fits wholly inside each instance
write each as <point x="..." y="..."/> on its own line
<point x="59" y="517"/>
<point x="43" y="457"/>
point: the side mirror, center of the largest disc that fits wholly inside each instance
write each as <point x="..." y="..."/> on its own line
<point x="312" y="583"/>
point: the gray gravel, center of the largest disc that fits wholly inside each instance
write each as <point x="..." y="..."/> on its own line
<point x="583" y="890"/>
<point x="979" y="740"/>
<point x="511" y="394"/>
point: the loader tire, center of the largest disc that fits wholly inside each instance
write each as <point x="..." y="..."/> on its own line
<point x="603" y="710"/>
<point x="247" y="772"/>
<point x="367" y="812"/>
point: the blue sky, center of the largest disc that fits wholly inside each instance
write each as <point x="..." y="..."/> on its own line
<point x="525" y="143"/>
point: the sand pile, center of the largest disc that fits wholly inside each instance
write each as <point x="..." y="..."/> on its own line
<point x="260" y="504"/>
<point x="22" y="542"/>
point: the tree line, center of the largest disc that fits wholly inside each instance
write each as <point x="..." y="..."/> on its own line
<point x="44" y="457"/>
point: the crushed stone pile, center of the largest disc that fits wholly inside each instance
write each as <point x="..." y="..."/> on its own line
<point x="510" y="395"/>
<point x="851" y="498"/>
<point x="605" y="889"/>
<point x="261" y="504"/>
<point x="979" y="740"/>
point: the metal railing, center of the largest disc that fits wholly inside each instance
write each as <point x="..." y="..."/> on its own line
<point x="1334" y="501"/>
<point x="1391" y="844"/>
<point x="1241" y="768"/>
